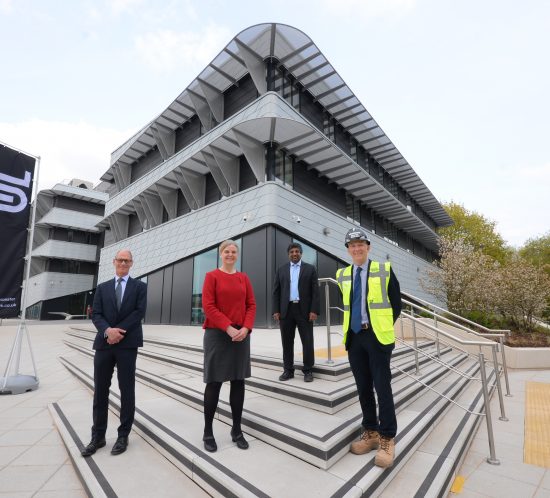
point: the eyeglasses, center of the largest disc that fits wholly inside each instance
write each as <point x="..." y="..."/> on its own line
<point x="123" y="261"/>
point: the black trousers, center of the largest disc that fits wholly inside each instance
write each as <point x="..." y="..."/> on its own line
<point x="370" y="364"/>
<point x="105" y="361"/>
<point x="293" y="319"/>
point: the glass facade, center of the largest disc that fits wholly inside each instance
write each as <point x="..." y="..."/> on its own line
<point x="309" y="255"/>
<point x="202" y="264"/>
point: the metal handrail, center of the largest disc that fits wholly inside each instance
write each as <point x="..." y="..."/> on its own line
<point x="499" y="336"/>
<point x="435" y="306"/>
<point x="440" y="394"/>
<point x="451" y="322"/>
<point x="491" y="344"/>
<point x="438" y="360"/>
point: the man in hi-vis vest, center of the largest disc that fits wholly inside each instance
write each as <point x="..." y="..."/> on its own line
<point x="372" y="303"/>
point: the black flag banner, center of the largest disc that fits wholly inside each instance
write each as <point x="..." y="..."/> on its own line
<point x="16" y="175"/>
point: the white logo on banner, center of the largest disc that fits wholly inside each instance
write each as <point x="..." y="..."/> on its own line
<point x="7" y="201"/>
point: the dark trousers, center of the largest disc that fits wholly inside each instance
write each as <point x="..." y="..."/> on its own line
<point x="293" y="319"/>
<point x="104" y="364"/>
<point x="370" y="364"/>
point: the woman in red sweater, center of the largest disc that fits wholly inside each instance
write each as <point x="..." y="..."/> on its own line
<point x="230" y="308"/>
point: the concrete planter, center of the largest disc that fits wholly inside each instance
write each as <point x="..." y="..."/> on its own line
<point x="527" y="357"/>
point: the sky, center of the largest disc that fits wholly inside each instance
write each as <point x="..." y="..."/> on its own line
<point x="462" y="88"/>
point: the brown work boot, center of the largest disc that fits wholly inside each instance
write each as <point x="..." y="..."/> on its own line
<point x="368" y="441"/>
<point x="386" y="452"/>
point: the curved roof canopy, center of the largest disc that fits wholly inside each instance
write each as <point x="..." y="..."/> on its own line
<point x="246" y="53"/>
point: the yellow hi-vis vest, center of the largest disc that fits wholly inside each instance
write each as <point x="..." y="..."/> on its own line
<point x="380" y="310"/>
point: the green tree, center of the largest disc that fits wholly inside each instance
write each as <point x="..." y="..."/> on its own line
<point x="537" y="251"/>
<point x="475" y="230"/>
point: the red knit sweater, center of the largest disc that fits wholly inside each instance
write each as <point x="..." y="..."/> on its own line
<point x="228" y="299"/>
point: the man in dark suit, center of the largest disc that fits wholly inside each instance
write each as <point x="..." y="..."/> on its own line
<point x="296" y="303"/>
<point x="118" y="309"/>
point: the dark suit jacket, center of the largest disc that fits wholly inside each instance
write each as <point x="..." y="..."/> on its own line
<point x="308" y="288"/>
<point x="132" y="311"/>
<point x="394" y="296"/>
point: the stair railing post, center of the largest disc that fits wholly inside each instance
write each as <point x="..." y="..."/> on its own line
<point x="499" y="387"/>
<point x="504" y="367"/>
<point x="415" y="343"/>
<point x="492" y="459"/>
<point x="327" y="312"/>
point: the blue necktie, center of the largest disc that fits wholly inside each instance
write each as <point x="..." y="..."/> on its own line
<point x="356" y="303"/>
<point x="118" y="293"/>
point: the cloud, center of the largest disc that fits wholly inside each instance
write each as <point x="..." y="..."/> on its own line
<point x="67" y="150"/>
<point x="6" y="6"/>
<point x="368" y="8"/>
<point x="166" y="50"/>
<point x="119" y="6"/>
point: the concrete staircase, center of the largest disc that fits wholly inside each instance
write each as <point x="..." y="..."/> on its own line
<point x="299" y="433"/>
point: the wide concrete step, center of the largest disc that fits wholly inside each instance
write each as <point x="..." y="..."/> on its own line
<point x="322" y="395"/>
<point x="318" y="438"/>
<point x="176" y="429"/>
<point x="139" y="472"/>
<point x="335" y="371"/>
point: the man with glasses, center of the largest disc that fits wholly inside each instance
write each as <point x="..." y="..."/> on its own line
<point x="118" y="309"/>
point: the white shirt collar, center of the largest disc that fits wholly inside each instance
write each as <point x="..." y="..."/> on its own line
<point x="299" y="263"/>
<point x="125" y="278"/>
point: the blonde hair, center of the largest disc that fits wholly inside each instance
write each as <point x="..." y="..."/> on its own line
<point x="227" y="243"/>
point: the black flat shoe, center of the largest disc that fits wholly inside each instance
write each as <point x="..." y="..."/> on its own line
<point x="286" y="375"/>
<point x="120" y="445"/>
<point x="92" y="447"/>
<point x="242" y="443"/>
<point x="308" y="377"/>
<point x="210" y="444"/>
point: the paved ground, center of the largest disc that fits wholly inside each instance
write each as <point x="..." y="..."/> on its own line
<point x="33" y="460"/>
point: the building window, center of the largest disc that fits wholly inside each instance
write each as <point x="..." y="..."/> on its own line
<point x="353" y="208"/>
<point x="309" y="255"/>
<point x="202" y="264"/>
<point x="283" y="169"/>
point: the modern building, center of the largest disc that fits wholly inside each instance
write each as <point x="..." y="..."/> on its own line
<point x="266" y="145"/>
<point x="65" y="252"/>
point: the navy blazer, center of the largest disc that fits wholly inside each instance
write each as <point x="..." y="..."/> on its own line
<point x="308" y="288"/>
<point x="128" y="318"/>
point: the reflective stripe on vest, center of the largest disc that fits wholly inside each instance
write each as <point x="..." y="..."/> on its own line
<point x="380" y="310"/>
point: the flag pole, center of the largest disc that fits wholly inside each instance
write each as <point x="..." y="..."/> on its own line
<point x="23" y="383"/>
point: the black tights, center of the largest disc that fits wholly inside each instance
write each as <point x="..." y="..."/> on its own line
<point x="236" y="400"/>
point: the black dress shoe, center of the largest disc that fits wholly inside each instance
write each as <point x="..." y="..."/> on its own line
<point x="242" y="443"/>
<point x="92" y="447"/>
<point x="308" y="377"/>
<point x="210" y="444"/>
<point x="286" y="375"/>
<point x="120" y="445"/>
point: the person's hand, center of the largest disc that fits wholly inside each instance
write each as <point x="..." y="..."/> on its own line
<point x="276" y="316"/>
<point x="114" y="335"/>
<point x="231" y="331"/>
<point x="312" y="316"/>
<point x="240" y="335"/>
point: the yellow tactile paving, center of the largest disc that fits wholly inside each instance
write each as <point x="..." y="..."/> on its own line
<point x="537" y="424"/>
<point x="337" y="352"/>
<point x="458" y="484"/>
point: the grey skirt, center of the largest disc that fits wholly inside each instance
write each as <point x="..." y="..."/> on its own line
<point x="224" y="359"/>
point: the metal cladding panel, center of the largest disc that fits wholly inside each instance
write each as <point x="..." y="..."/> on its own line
<point x="166" y="307"/>
<point x="155" y="283"/>
<point x="66" y="250"/>
<point x="70" y="219"/>
<point x="266" y="204"/>
<point x="254" y="264"/>
<point x="182" y="291"/>
<point x="48" y="285"/>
